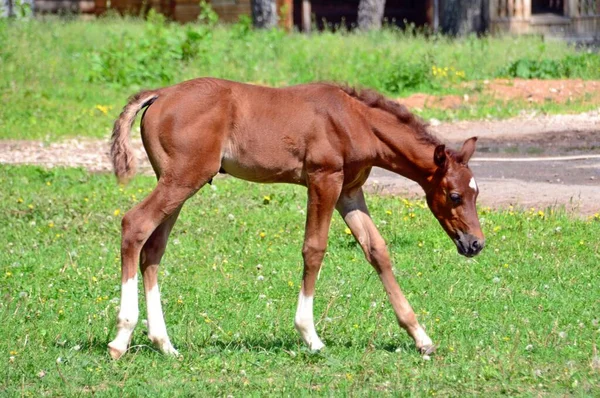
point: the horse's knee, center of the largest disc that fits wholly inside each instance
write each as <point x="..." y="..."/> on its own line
<point x="154" y="248"/>
<point x="313" y="253"/>
<point x="133" y="235"/>
<point x="377" y="254"/>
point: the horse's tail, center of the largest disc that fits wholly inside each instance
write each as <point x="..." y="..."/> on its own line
<point x="121" y="153"/>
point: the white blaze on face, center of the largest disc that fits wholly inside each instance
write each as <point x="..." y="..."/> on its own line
<point x="473" y="184"/>
<point x="305" y="323"/>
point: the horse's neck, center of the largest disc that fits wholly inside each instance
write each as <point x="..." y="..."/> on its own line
<point x="401" y="152"/>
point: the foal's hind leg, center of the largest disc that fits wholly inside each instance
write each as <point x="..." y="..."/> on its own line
<point x="354" y="211"/>
<point x="152" y="253"/>
<point x="137" y="226"/>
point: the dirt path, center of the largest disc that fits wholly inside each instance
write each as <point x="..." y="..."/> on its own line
<point x="572" y="184"/>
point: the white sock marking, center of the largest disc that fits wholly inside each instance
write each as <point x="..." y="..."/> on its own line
<point x="421" y="338"/>
<point x="157" y="329"/>
<point x="473" y="184"/>
<point x="305" y="324"/>
<point x="156" y="321"/>
<point x="128" y="314"/>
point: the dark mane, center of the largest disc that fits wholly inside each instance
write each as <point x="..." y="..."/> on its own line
<point x="373" y="99"/>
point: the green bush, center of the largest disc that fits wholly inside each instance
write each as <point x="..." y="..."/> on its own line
<point x="410" y="76"/>
<point x="156" y="56"/>
<point x="577" y="65"/>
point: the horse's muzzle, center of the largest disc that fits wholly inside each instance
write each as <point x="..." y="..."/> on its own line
<point x="469" y="245"/>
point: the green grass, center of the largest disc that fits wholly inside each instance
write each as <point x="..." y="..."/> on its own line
<point x="520" y="319"/>
<point x="70" y="78"/>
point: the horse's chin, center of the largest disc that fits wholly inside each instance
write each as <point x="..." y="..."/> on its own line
<point x="462" y="253"/>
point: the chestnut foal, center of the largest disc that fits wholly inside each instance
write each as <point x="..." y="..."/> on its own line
<point x="322" y="136"/>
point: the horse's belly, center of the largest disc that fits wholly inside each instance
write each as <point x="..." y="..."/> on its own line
<point x="263" y="172"/>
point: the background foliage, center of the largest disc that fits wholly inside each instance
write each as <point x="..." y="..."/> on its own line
<point x="65" y="78"/>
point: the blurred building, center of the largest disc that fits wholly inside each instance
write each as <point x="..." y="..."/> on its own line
<point x="570" y="19"/>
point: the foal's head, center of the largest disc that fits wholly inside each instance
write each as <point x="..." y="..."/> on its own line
<point x="452" y="196"/>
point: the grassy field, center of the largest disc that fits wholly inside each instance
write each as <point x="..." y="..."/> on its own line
<point x="520" y="319"/>
<point x="69" y="78"/>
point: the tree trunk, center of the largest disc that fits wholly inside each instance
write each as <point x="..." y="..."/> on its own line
<point x="6" y="8"/>
<point x="370" y="14"/>
<point x="264" y="14"/>
<point x="460" y="17"/>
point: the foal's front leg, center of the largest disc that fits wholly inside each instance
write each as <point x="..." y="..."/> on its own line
<point x="354" y="210"/>
<point x="323" y="193"/>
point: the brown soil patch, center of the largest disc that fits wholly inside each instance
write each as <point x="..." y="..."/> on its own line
<point x="534" y="90"/>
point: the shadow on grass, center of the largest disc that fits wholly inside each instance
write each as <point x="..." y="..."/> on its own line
<point x="290" y="345"/>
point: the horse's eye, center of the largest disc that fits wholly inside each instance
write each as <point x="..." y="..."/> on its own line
<point x="455" y="198"/>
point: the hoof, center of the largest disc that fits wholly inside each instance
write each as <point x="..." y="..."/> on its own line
<point x="115" y="352"/>
<point x="317" y="346"/>
<point x="170" y="351"/>
<point x="427" y="349"/>
<point x="164" y="346"/>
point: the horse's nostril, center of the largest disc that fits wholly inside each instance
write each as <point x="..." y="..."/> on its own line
<point x="476" y="245"/>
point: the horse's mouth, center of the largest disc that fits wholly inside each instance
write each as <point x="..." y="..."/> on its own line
<point x="468" y="249"/>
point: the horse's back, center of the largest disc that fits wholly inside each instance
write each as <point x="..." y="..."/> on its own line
<point x="260" y="133"/>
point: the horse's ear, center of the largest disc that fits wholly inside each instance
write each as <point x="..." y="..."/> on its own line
<point x="439" y="156"/>
<point x="467" y="150"/>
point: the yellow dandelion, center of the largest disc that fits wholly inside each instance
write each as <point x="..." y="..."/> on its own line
<point x="262" y="234"/>
<point x="51" y="224"/>
<point x="348" y="231"/>
<point x="505" y="265"/>
<point x="266" y="199"/>
<point x="179" y="301"/>
<point x="30" y="206"/>
<point x="8" y="274"/>
<point x="290" y="284"/>
<point x="541" y="214"/>
<point x="20" y="200"/>
<point x="117" y="212"/>
<point x="388" y="212"/>
<point x="14" y="352"/>
<point x="103" y="108"/>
